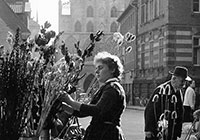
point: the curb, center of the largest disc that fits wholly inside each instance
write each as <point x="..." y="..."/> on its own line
<point x="136" y="108"/>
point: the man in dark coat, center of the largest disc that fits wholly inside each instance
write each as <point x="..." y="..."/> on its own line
<point x="164" y="112"/>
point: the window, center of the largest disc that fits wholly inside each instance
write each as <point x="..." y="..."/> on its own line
<point x="151" y="54"/>
<point x="157" y="8"/>
<point x="161" y="53"/>
<point x="114" y="12"/>
<point x="196" y="56"/>
<point x="151" y="8"/>
<point x="113" y="27"/>
<point x="78" y="26"/>
<point x="143" y="12"/>
<point x="161" y="7"/>
<point x="196" y="50"/>
<point x="66" y="7"/>
<point x="101" y="27"/>
<point x="90" y="27"/>
<point x="132" y="19"/>
<point x="196" y="6"/>
<point x="142" y="56"/>
<point x="147" y="13"/>
<point x="196" y="41"/>
<point x="90" y="11"/>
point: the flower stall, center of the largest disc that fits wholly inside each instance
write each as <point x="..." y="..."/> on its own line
<point x="30" y="88"/>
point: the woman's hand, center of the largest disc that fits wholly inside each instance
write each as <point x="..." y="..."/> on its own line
<point x="70" y="101"/>
<point x="149" y="134"/>
<point x="66" y="98"/>
<point x="66" y="108"/>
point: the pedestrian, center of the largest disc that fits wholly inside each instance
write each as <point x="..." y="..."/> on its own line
<point x="197" y="99"/>
<point x="164" y="111"/>
<point x="189" y="102"/>
<point x="196" y="134"/>
<point x="108" y="103"/>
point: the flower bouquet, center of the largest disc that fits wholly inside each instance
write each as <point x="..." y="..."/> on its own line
<point x="30" y="88"/>
<point x="20" y="78"/>
<point x="64" y="78"/>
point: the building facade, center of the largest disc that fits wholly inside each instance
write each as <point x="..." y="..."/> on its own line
<point x="167" y="36"/>
<point x="80" y="18"/>
<point x="9" y="22"/>
<point x="22" y="8"/>
<point x="128" y="23"/>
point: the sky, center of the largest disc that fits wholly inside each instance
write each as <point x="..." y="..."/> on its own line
<point x="47" y="11"/>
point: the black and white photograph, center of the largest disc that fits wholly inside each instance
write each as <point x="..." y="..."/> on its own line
<point x="99" y="69"/>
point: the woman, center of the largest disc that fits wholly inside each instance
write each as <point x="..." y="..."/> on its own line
<point x="189" y="102"/>
<point x="108" y="103"/>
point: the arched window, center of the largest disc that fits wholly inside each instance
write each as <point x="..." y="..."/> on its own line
<point x="90" y="12"/>
<point x="101" y="27"/>
<point x="78" y="26"/>
<point x="113" y="27"/>
<point x="66" y="7"/>
<point x="114" y="12"/>
<point x="90" y="27"/>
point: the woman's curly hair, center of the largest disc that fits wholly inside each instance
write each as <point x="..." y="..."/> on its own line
<point x="112" y="61"/>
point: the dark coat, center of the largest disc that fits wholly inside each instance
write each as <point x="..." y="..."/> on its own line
<point x="157" y="106"/>
<point x="105" y="108"/>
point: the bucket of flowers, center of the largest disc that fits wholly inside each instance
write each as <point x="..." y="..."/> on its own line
<point x="30" y="88"/>
<point x="19" y="81"/>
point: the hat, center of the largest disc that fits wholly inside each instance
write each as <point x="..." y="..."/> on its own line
<point x="181" y="72"/>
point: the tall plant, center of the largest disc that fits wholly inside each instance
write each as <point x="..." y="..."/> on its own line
<point x="18" y="79"/>
<point x="28" y="87"/>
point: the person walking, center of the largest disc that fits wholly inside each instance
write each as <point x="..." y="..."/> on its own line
<point x="107" y="104"/>
<point x="197" y="99"/>
<point x="189" y="102"/>
<point x="164" y="112"/>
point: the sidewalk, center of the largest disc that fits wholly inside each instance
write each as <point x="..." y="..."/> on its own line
<point x="135" y="107"/>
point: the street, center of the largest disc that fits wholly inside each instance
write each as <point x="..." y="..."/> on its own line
<point x="132" y="124"/>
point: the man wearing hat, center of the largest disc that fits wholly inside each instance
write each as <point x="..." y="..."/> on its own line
<point x="164" y="112"/>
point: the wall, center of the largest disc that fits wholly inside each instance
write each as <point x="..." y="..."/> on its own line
<point x="3" y="35"/>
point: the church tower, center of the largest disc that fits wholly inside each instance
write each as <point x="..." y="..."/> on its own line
<point x="78" y="18"/>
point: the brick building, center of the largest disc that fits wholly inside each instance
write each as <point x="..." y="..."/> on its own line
<point x="167" y="35"/>
<point x="21" y="8"/>
<point x="9" y="22"/>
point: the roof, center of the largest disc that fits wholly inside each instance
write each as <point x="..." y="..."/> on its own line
<point x="19" y="7"/>
<point x="11" y="19"/>
<point x="16" y="8"/>
<point x="131" y="5"/>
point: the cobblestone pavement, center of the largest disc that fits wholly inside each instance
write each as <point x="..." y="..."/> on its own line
<point x="132" y="123"/>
